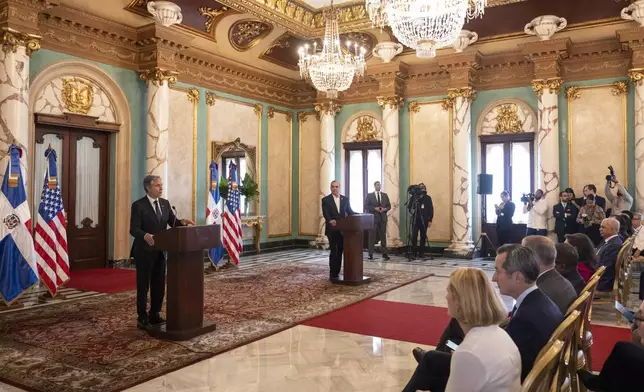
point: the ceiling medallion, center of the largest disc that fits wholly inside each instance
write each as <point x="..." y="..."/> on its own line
<point x="330" y="70"/>
<point x="424" y="25"/>
<point x="246" y="33"/>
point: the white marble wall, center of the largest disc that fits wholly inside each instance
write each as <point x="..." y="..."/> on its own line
<point x="181" y="154"/>
<point x="430" y="153"/>
<point x="279" y="174"/>
<point x="596" y="139"/>
<point x="327" y="163"/>
<point x="158" y="115"/>
<point x="391" y="171"/>
<point x="547" y="147"/>
<point x="462" y="176"/>
<point x="50" y="100"/>
<point x="14" y="109"/>
<point x="309" y="175"/>
<point x="639" y="145"/>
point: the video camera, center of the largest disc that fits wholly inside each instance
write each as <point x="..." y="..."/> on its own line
<point x="415" y="190"/>
<point x="527" y="198"/>
<point x="611" y="176"/>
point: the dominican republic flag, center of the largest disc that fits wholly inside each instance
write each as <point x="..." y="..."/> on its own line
<point x="51" y="231"/>
<point x="213" y="213"/>
<point x="18" y="272"/>
<point x="232" y="217"/>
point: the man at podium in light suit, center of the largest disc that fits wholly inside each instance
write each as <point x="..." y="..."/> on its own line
<point x="335" y="207"/>
<point x="150" y="215"/>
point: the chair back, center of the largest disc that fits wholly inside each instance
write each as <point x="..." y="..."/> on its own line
<point x="542" y="375"/>
<point x="598" y="274"/>
<point x="623" y="276"/>
<point x="565" y="333"/>
<point x="577" y="358"/>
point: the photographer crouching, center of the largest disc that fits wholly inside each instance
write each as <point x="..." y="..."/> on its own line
<point x="536" y="206"/>
<point x="422" y="211"/>
<point x="623" y="201"/>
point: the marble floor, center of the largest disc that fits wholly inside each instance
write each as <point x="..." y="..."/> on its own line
<point x="313" y="359"/>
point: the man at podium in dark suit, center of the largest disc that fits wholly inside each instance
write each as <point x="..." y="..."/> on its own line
<point x="150" y="215"/>
<point x="335" y="207"/>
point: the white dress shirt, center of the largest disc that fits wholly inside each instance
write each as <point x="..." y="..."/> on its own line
<point x="152" y="203"/>
<point x="525" y="294"/>
<point x="537" y="218"/>
<point x="486" y="361"/>
<point x="337" y="202"/>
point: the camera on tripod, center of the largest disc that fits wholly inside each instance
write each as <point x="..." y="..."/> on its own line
<point x="415" y="190"/>
<point x="611" y="176"/>
<point x="527" y="198"/>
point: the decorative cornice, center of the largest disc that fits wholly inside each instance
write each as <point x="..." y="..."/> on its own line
<point x="393" y="102"/>
<point x="210" y="98"/>
<point x="620" y="88"/>
<point x="636" y="75"/>
<point x="330" y="108"/>
<point x="12" y="39"/>
<point x="157" y="76"/>
<point x="573" y="92"/>
<point x="553" y="85"/>
<point x="467" y="93"/>
<point x="193" y="95"/>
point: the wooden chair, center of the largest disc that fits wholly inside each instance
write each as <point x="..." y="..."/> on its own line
<point x="577" y="359"/>
<point x="623" y="279"/>
<point x="542" y="375"/>
<point x="587" y="336"/>
<point x="567" y="367"/>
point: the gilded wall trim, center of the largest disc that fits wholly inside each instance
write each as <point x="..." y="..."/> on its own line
<point x="301" y="117"/>
<point x="271" y="111"/>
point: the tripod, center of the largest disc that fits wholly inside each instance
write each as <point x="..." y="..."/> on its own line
<point x="413" y="207"/>
<point x="479" y="243"/>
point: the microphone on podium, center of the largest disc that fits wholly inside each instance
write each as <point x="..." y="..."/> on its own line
<point x="175" y="216"/>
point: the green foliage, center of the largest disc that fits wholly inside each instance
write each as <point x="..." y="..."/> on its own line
<point x="223" y="188"/>
<point x="249" y="188"/>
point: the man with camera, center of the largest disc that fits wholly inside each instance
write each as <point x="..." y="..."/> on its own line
<point x="623" y="201"/>
<point x="424" y="214"/>
<point x="536" y="206"/>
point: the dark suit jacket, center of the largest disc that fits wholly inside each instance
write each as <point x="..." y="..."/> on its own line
<point x="531" y="326"/>
<point x="143" y="220"/>
<point x="558" y="289"/>
<point x="563" y="224"/>
<point x="607" y="254"/>
<point x="330" y="211"/>
<point x="426" y="208"/>
<point x="371" y="203"/>
<point x="504" y="216"/>
<point x="600" y="201"/>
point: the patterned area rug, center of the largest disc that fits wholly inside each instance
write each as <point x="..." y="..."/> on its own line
<point x="93" y="344"/>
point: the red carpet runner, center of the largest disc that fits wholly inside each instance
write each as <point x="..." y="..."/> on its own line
<point x="103" y="280"/>
<point x="424" y="324"/>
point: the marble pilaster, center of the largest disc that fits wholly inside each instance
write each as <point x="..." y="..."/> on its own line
<point x="14" y="97"/>
<point x="637" y="76"/>
<point x="158" y="112"/>
<point x="391" y="172"/>
<point x="548" y="142"/>
<point x="327" y="112"/>
<point x="460" y="100"/>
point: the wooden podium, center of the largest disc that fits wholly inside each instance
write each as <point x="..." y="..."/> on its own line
<point x="352" y="228"/>
<point x="184" y="308"/>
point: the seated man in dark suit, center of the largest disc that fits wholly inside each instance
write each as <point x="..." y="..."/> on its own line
<point x="550" y="281"/>
<point x="335" y="207"/>
<point x="607" y="252"/>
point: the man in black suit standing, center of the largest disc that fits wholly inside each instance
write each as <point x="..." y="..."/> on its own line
<point x="334" y="208"/>
<point x="591" y="189"/>
<point x="424" y="218"/>
<point x="607" y="252"/>
<point x="565" y="214"/>
<point x="377" y="203"/>
<point x="150" y="215"/>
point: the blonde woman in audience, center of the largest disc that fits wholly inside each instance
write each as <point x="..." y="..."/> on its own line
<point x="487" y="360"/>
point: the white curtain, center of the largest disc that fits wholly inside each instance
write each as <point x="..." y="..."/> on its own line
<point x="87" y="176"/>
<point x="41" y="166"/>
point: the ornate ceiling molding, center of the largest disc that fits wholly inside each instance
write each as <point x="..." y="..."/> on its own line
<point x="246" y="33"/>
<point x="213" y="16"/>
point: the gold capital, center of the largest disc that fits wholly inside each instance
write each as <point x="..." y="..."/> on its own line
<point x="392" y="102"/>
<point x="12" y="39"/>
<point x="210" y="98"/>
<point x="193" y="95"/>
<point x="329" y="108"/>
<point x="553" y="84"/>
<point x="636" y="75"/>
<point x="271" y="112"/>
<point x="158" y="75"/>
<point x="414" y="107"/>
<point x="467" y="93"/>
<point x="258" y="109"/>
<point x="573" y="92"/>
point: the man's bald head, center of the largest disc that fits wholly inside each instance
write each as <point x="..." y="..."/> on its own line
<point x="609" y="228"/>
<point x="543" y="247"/>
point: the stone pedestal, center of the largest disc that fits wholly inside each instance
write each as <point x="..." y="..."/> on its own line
<point x="460" y="100"/>
<point x="391" y="172"/>
<point x="158" y="112"/>
<point x="548" y="143"/>
<point x="327" y="113"/>
<point x="14" y="98"/>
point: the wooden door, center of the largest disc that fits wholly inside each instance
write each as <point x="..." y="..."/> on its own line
<point x="83" y="175"/>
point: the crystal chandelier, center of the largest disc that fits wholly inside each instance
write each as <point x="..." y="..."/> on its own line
<point x="330" y="70"/>
<point x="424" y="25"/>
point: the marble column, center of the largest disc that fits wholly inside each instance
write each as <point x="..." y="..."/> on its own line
<point x="327" y="112"/>
<point x="14" y="98"/>
<point x="637" y="76"/>
<point x="460" y="100"/>
<point x="158" y="115"/>
<point x="548" y="143"/>
<point x="391" y="172"/>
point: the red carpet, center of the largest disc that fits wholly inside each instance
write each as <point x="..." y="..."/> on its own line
<point x="103" y="280"/>
<point x="424" y="325"/>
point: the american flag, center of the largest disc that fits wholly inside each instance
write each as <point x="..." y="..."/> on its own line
<point x="232" y="218"/>
<point x="51" y="234"/>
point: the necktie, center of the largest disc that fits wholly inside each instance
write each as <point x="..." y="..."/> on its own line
<point x="514" y="309"/>
<point x="157" y="210"/>
<point x="378" y="196"/>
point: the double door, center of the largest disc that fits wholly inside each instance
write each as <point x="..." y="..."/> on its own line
<point x="83" y="177"/>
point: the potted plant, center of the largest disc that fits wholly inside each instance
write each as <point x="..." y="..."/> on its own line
<point x="249" y="190"/>
<point x="223" y="188"/>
